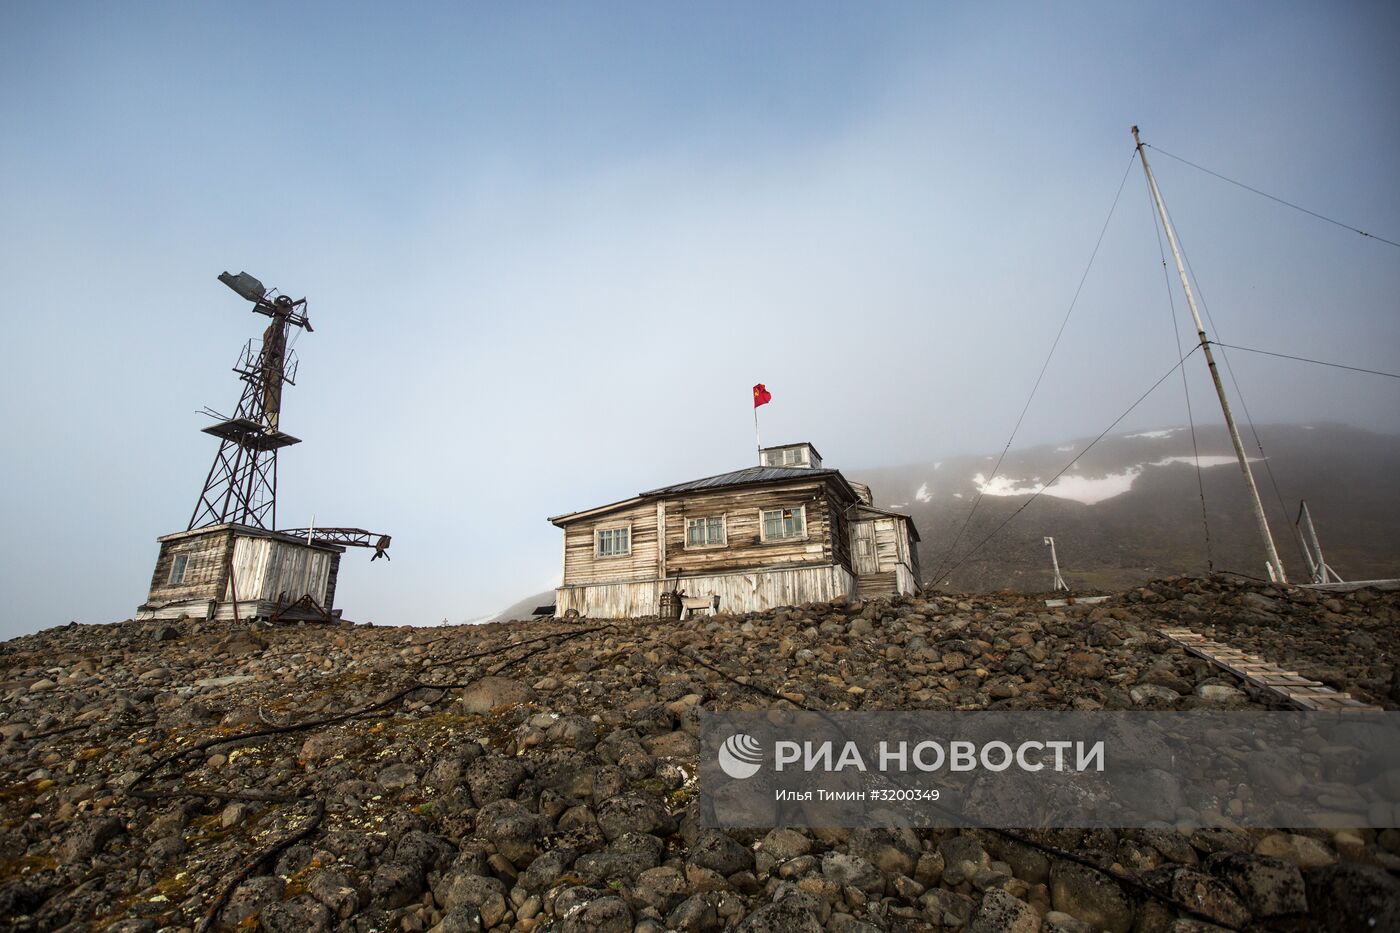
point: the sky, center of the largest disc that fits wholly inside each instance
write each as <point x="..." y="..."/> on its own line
<point x="548" y="249"/>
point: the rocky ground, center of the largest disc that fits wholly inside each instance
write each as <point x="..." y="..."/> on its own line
<point x="298" y="779"/>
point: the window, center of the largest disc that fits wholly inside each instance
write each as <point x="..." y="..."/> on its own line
<point x="705" y="532"/>
<point x="779" y="524"/>
<point x="790" y="456"/>
<point x="177" y="569"/>
<point x="613" y="542"/>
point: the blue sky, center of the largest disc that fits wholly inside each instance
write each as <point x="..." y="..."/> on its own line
<point x="549" y="247"/>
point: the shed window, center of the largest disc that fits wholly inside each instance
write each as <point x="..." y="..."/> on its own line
<point x="177" y="569"/>
<point x="790" y="456"/>
<point x="705" y="532"/>
<point x="613" y="542"/>
<point x="784" y="523"/>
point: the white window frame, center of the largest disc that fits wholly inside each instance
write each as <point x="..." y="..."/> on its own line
<point x="598" y="541"/>
<point x="763" y="525"/>
<point x="723" y="532"/>
<point x="798" y="457"/>
<point x="180" y="562"/>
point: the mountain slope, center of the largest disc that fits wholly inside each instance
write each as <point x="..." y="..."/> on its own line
<point x="1130" y="509"/>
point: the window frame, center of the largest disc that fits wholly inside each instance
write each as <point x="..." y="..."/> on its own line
<point x="708" y="545"/>
<point x="180" y="562"/>
<point x="799" y="455"/>
<point x="598" y="541"/>
<point x="763" y="525"/>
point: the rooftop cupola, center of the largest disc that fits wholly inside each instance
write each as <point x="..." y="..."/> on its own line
<point x="790" y="455"/>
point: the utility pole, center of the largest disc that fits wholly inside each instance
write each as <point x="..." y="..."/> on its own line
<point x="1059" y="583"/>
<point x="1275" y="565"/>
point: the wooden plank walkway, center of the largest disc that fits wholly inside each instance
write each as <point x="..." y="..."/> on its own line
<point x="1288" y="686"/>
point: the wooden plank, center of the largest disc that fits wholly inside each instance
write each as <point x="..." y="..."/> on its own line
<point x="1290" y="686"/>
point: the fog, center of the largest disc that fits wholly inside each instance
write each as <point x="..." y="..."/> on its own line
<point x="549" y="249"/>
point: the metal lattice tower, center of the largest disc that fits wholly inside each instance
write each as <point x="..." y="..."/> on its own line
<point x="241" y="487"/>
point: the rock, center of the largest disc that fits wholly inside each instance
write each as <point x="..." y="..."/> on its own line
<point x="660" y="888"/>
<point x="493" y="777"/>
<point x="696" y="914"/>
<point x="963" y="857"/>
<point x="234" y="814"/>
<point x="301" y="914"/>
<point x="853" y="870"/>
<point x="1270" y="887"/>
<point x="1353" y="898"/>
<point x="1090" y="896"/>
<point x="89" y="838"/>
<point x="790" y="915"/>
<point x="1208" y="895"/>
<point x="1303" y="851"/>
<point x="40" y="686"/>
<point x="488" y="693"/>
<point x="514" y="830"/>
<point x="1056" y="921"/>
<point x="714" y="850"/>
<point x="1001" y="912"/>
<point x="397" y="776"/>
<point x="1144" y="694"/>
<point x="332" y="888"/>
<point x="251" y="897"/>
<point x="395" y="884"/>
<point x="1219" y="693"/>
<point x="894" y="852"/>
<point x="601" y="915"/>
<point x="635" y="812"/>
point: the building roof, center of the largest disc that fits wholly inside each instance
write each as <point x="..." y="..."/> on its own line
<point x="816" y="453"/>
<point x="744" y="477"/>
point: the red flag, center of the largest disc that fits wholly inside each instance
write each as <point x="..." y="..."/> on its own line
<point x="761" y="395"/>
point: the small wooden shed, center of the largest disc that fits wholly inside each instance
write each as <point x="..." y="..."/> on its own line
<point x="786" y="532"/>
<point x="238" y="571"/>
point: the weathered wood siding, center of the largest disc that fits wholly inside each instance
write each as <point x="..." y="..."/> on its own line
<point x="206" y="569"/>
<point x="896" y="552"/>
<point x="278" y="571"/>
<point x="744" y="548"/>
<point x="583" y="565"/>
<point x="743" y="591"/>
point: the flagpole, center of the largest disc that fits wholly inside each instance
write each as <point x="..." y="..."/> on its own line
<point x="757" y="443"/>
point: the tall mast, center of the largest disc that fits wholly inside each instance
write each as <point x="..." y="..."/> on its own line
<point x="1275" y="565"/>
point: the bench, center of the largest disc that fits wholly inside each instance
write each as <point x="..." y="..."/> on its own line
<point x="698" y="602"/>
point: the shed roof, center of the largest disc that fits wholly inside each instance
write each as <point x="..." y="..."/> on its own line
<point x="744" y="477"/>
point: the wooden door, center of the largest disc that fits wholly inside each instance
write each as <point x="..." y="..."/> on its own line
<point x="863" y="547"/>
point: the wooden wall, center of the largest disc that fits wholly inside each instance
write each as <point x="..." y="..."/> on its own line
<point x="582" y="565"/>
<point x="205" y="573"/>
<point x="752" y="591"/>
<point x="269" y="569"/>
<point x="744" y="548"/>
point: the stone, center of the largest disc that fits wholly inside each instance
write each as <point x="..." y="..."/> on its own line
<point x="696" y="914"/>
<point x="1144" y="694"/>
<point x="1001" y="912"/>
<point x="493" y="777"/>
<point x="332" y="888"/>
<point x="90" y="837"/>
<point x="1090" y="896"/>
<point x="635" y="812"/>
<point x="1219" y="693"/>
<point x="251" y="897"/>
<point x="714" y="850"/>
<point x="1303" y="851"/>
<point x="395" y="884"/>
<point x="514" y="830"/>
<point x="963" y="857"/>
<point x="397" y="776"/>
<point x="853" y="870"/>
<point x="300" y="914"/>
<point x="893" y="851"/>
<point x="1353" y="898"/>
<point x="1270" y="887"/>
<point x="1084" y="665"/>
<point x="1209" y="896"/>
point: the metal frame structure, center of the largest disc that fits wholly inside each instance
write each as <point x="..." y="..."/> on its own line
<point x="241" y="487"/>
<point x="345" y="537"/>
<point x="1318" y="568"/>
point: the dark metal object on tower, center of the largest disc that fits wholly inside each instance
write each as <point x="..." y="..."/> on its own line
<point x="241" y="487"/>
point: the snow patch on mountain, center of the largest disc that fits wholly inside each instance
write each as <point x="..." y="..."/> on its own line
<point x="1155" y="435"/>
<point x="922" y="494"/>
<point x="1086" y="489"/>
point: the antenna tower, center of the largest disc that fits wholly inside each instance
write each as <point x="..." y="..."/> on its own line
<point x="241" y="487"/>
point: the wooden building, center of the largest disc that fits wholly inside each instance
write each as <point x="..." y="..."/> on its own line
<point x="786" y="532"/>
<point x="233" y="571"/>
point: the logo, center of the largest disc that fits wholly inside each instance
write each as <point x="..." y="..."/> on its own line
<point x="740" y="756"/>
